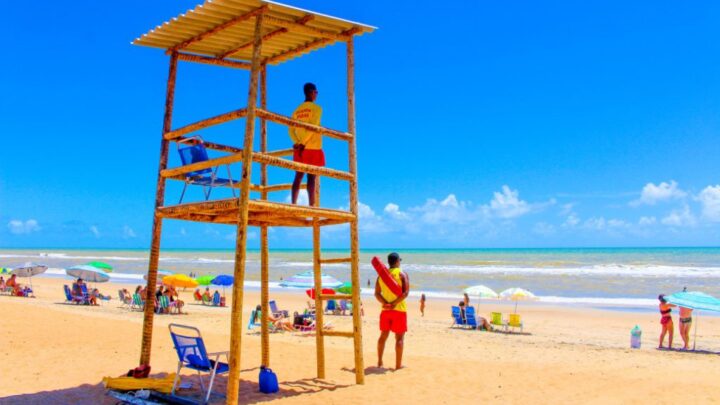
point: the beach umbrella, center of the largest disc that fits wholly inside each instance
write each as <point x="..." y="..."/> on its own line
<point x="4" y="270"/>
<point x="307" y="280"/>
<point x="696" y="301"/>
<point x="311" y="292"/>
<point x="88" y="273"/>
<point x="224" y="281"/>
<point x="204" y="280"/>
<point x="346" y="288"/>
<point x="179" y="280"/>
<point x="481" y="292"/>
<point x="102" y="266"/>
<point x="160" y="275"/>
<point x="28" y="270"/>
<point x="517" y="294"/>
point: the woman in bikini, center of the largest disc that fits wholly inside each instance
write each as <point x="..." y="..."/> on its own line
<point x="685" y="323"/>
<point x="666" y="321"/>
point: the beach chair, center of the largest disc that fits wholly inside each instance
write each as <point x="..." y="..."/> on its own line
<point x="137" y="302"/>
<point x="514" y="321"/>
<point x="216" y="299"/>
<point x="255" y="321"/>
<point x="496" y="320"/>
<point x="197" y="296"/>
<point x="332" y="307"/>
<point x="162" y="305"/>
<point x="69" y="297"/>
<point x="191" y="151"/>
<point x="125" y="300"/>
<point x="470" y="319"/>
<point x="277" y="312"/>
<point x="190" y="348"/>
<point x="457" y="317"/>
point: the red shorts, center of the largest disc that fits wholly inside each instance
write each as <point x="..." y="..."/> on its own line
<point x="393" y="321"/>
<point x="315" y="157"/>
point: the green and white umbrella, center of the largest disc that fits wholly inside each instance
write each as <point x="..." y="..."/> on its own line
<point x="101" y="265"/>
<point x="481" y="292"/>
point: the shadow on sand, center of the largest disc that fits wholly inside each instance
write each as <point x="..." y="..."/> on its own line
<point x="249" y="392"/>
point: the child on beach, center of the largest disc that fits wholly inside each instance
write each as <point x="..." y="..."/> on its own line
<point x="422" y="304"/>
<point x="666" y="321"/>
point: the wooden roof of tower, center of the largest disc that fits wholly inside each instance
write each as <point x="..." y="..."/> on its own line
<point x="223" y="30"/>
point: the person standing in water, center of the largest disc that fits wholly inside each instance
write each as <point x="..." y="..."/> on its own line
<point x="307" y="144"/>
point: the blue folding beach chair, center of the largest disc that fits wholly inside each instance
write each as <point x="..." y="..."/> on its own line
<point x="457" y="317"/>
<point x="194" y="152"/>
<point x="191" y="352"/>
<point x="470" y="318"/>
<point x="281" y="313"/>
<point x="332" y="307"/>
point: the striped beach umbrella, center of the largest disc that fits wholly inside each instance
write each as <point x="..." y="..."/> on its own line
<point x="517" y="294"/>
<point x="102" y="266"/>
<point x="88" y="273"/>
<point x="480" y="291"/>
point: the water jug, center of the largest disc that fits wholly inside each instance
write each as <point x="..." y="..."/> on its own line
<point x="635" y="337"/>
<point x="268" y="381"/>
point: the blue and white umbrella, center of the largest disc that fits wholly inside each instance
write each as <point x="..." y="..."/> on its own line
<point x="307" y="280"/>
<point x="88" y="273"/>
<point x="694" y="300"/>
<point x="28" y="270"/>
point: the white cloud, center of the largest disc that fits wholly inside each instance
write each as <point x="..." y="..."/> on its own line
<point x="302" y="198"/>
<point x="506" y="204"/>
<point x="680" y="218"/>
<point x="19" y="227"/>
<point x="646" y="221"/>
<point x="652" y="194"/>
<point x="566" y="209"/>
<point x="572" y="220"/>
<point x="710" y="200"/>
<point x="446" y="212"/>
<point x="95" y="231"/>
<point x="544" y="229"/>
<point x="368" y="220"/>
<point x="128" y="232"/>
<point x="393" y="211"/>
<point x="597" y="224"/>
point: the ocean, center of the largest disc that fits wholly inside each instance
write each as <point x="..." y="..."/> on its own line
<point x="597" y="276"/>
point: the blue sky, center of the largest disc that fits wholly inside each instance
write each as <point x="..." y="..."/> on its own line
<point x="481" y="124"/>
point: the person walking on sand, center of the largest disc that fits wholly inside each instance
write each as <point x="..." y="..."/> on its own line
<point x="422" y="305"/>
<point x="307" y="144"/>
<point x="685" y="318"/>
<point x="666" y="321"/>
<point x="393" y="317"/>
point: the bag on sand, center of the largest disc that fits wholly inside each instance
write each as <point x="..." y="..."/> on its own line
<point x="139" y="372"/>
<point x="268" y="381"/>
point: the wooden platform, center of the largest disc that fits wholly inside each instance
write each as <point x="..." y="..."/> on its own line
<point x="260" y="213"/>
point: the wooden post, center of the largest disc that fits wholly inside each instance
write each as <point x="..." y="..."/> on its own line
<point x="264" y="270"/>
<point x="354" y="243"/>
<point x="157" y="220"/>
<point x="317" y="276"/>
<point x="236" y="329"/>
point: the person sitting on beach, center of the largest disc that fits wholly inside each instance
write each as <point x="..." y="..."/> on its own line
<point x="461" y="304"/>
<point x="307" y="145"/>
<point x="197" y="295"/>
<point x="12" y="283"/>
<point x="207" y="297"/>
<point x="175" y="300"/>
<point x="466" y="300"/>
<point x="159" y="292"/>
<point x="77" y="290"/>
<point x="685" y="318"/>
<point x="666" y="321"/>
<point x="278" y="323"/>
<point x="127" y="298"/>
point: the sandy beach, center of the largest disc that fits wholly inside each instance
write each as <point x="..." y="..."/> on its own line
<point x="58" y="353"/>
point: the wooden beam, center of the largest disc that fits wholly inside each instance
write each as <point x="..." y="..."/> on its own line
<point x="326" y="297"/>
<point x="337" y="260"/>
<point x="231" y="205"/>
<point x="253" y="187"/>
<point x="149" y="312"/>
<point x="214" y="61"/>
<point x="280" y="152"/>
<point x="218" y="28"/>
<point x="302" y="167"/>
<point x="282" y="187"/>
<point x="311" y="46"/>
<point x="338" y="333"/>
<point x="218" y="119"/>
<point x="354" y="233"/>
<point x="304" y="29"/>
<point x="236" y="324"/>
<point x="285" y="120"/>
<point x="264" y="247"/>
<point x="303" y="20"/>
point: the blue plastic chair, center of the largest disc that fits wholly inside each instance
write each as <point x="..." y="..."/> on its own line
<point x="277" y="312"/>
<point x="470" y="319"/>
<point x="195" y="152"/>
<point x="69" y="297"/>
<point x="457" y="317"/>
<point x="191" y="352"/>
<point x="332" y="307"/>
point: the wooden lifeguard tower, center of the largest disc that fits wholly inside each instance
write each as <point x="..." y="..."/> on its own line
<point x="254" y="35"/>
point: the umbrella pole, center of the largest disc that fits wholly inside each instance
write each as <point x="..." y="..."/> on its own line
<point x="516" y="306"/>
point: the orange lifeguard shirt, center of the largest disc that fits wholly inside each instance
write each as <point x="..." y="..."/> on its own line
<point x="307" y="112"/>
